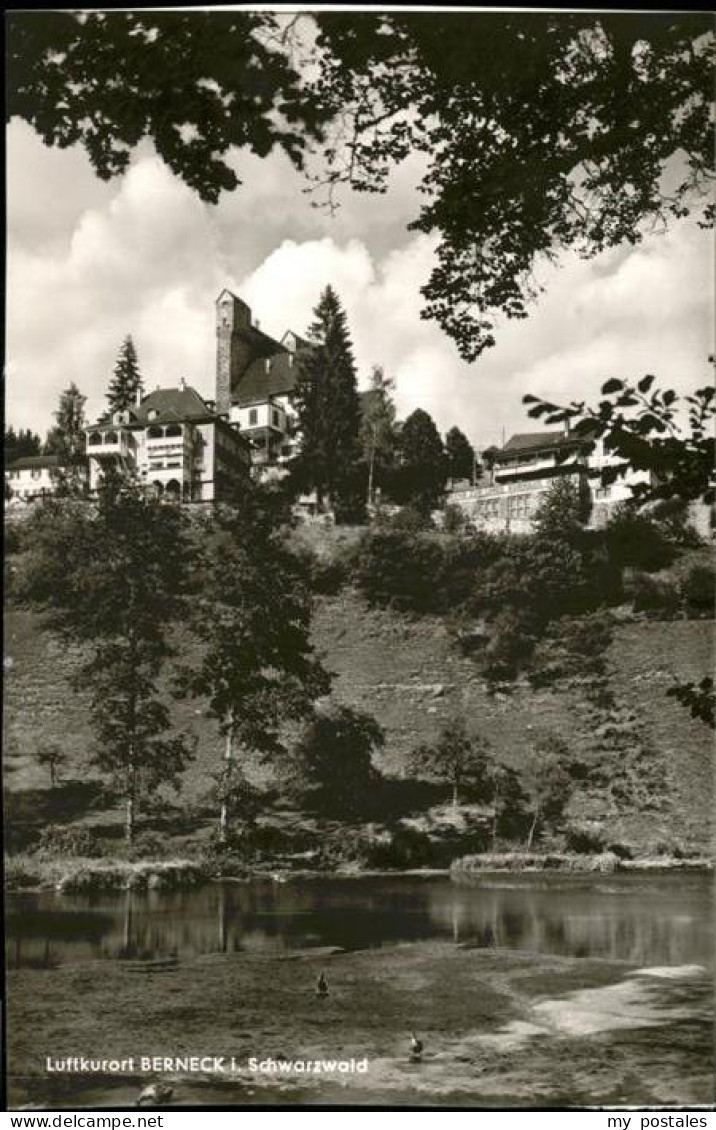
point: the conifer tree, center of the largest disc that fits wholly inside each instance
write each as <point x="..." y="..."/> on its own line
<point x="328" y="406"/>
<point x="67" y="437"/>
<point x="127" y="380"/>
<point x="422" y="474"/>
<point x="460" y="455"/>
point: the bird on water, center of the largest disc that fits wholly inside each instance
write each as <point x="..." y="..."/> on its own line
<point x="155" y="1094"/>
<point x="321" y="985"/>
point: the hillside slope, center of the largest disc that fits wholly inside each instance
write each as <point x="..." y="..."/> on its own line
<point x="406" y="672"/>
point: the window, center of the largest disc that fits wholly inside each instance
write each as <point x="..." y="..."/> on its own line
<point x="274" y="417"/>
<point x="36" y="473"/>
<point x="111" y="437"/>
<point x="173" y="430"/>
<point x="94" y="439"/>
<point x="253" y="417"/>
<point x="155" y="432"/>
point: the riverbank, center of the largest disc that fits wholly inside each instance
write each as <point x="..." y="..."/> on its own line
<point x="28" y="872"/>
<point x="501" y="1029"/>
<point x="602" y="862"/>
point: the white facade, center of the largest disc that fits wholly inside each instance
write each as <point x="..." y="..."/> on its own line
<point x="28" y="483"/>
<point x="36" y="477"/>
<point x="522" y="478"/>
<point x="190" y="459"/>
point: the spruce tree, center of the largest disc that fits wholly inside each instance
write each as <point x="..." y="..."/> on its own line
<point x="460" y="455"/>
<point x="422" y="474"/>
<point x="127" y="379"/>
<point x="328" y="406"/>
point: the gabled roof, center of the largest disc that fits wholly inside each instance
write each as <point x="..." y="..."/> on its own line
<point x="268" y="375"/>
<point x="172" y="404"/>
<point x="538" y="441"/>
<point x="35" y="462"/>
<point x="292" y="340"/>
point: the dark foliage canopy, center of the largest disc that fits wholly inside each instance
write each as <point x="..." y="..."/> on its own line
<point x="538" y="131"/>
<point x="195" y="83"/>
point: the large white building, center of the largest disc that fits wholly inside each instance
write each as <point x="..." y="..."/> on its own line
<point x="175" y="442"/>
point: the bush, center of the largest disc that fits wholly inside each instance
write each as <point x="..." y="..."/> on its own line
<point x="330" y="768"/>
<point x="408" y="519"/>
<point x="13" y="538"/>
<point x="398" y="569"/>
<point x="660" y="599"/>
<point x="79" y="842"/>
<point x="404" y="848"/>
<point x="456" y="521"/>
<point x="698" y="590"/>
<point x="585" y="839"/>
<point x="147" y="845"/>
<point x="634" y="541"/>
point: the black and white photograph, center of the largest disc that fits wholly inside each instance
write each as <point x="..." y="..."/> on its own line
<point x="359" y="583"/>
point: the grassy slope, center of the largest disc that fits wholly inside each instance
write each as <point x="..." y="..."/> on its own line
<point x="406" y="672"/>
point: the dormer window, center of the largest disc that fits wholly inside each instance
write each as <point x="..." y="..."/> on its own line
<point x="152" y="414"/>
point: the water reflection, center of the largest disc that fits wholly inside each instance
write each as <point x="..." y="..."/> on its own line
<point x="650" y="920"/>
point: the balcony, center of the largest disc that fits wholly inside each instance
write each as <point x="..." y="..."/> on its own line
<point x="110" y="443"/>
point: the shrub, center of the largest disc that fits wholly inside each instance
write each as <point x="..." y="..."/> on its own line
<point x="660" y="599"/>
<point x="79" y="842"/>
<point x="398" y="569"/>
<point x="585" y="839"/>
<point x="634" y="541"/>
<point x="698" y="590"/>
<point x="330" y="767"/>
<point x="405" y="847"/>
<point x="408" y="519"/>
<point x="12" y="538"/>
<point x="456" y="521"/>
<point x="147" y="845"/>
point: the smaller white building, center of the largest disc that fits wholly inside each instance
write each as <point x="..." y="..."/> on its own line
<point x="526" y="468"/>
<point x="37" y="476"/>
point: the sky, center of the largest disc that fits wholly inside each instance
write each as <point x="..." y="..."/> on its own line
<point x="89" y="262"/>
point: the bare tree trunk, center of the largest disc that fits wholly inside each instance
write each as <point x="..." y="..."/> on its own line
<point x="130" y="813"/>
<point x="532" y="829"/>
<point x="371" y="466"/>
<point x="495" y="814"/>
<point x="224" y="813"/>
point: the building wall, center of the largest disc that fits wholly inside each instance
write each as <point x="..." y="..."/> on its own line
<point x="506" y="507"/>
<point x="27" y="483"/>
<point x="233" y="352"/>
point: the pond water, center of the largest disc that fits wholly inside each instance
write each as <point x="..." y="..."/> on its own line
<point x="646" y="919"/>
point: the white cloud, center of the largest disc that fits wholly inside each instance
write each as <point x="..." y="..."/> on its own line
<point x="89" y="263"/>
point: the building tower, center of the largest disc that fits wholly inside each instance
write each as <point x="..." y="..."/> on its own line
<point x="233" y="346"/>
